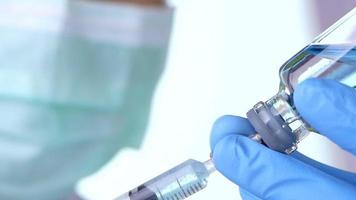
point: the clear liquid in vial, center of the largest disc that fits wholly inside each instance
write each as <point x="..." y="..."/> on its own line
<point x="337" y="62"/>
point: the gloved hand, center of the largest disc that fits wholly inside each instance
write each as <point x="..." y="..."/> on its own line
<point x="261" y="173"/>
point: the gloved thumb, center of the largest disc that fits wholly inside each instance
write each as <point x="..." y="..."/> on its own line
<point x="267" y="174"/>
<point x="330" y="108"/>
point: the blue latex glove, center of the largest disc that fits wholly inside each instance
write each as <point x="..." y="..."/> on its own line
<point x="261" y="173"/>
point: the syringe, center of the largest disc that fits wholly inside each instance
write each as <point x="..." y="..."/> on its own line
<point x="178" y="183"/>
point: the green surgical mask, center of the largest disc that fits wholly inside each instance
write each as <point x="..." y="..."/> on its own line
<point x="76" y="80"/>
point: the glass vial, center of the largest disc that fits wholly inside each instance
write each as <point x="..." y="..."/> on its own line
<point x="331" y="55"/>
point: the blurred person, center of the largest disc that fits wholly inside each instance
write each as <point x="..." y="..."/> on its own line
<point x="77" y="78"/>
<point x="76" y="81"/>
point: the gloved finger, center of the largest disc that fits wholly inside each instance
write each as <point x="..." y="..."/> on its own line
<point x="247" y="195"/>
<point x="227" y="125"/>
<point x="330" y="108"/>
<point x="271" y="175"/>
<point x="338" y="173"/>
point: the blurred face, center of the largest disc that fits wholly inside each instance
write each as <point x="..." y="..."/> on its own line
<point x="75" y="87"/>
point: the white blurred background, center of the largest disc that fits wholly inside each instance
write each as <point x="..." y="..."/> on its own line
<point x="224" y="57"/>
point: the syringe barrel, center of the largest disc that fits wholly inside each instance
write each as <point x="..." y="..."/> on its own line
<point x="178" y="183"/>
<point x="140" y="193"/>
